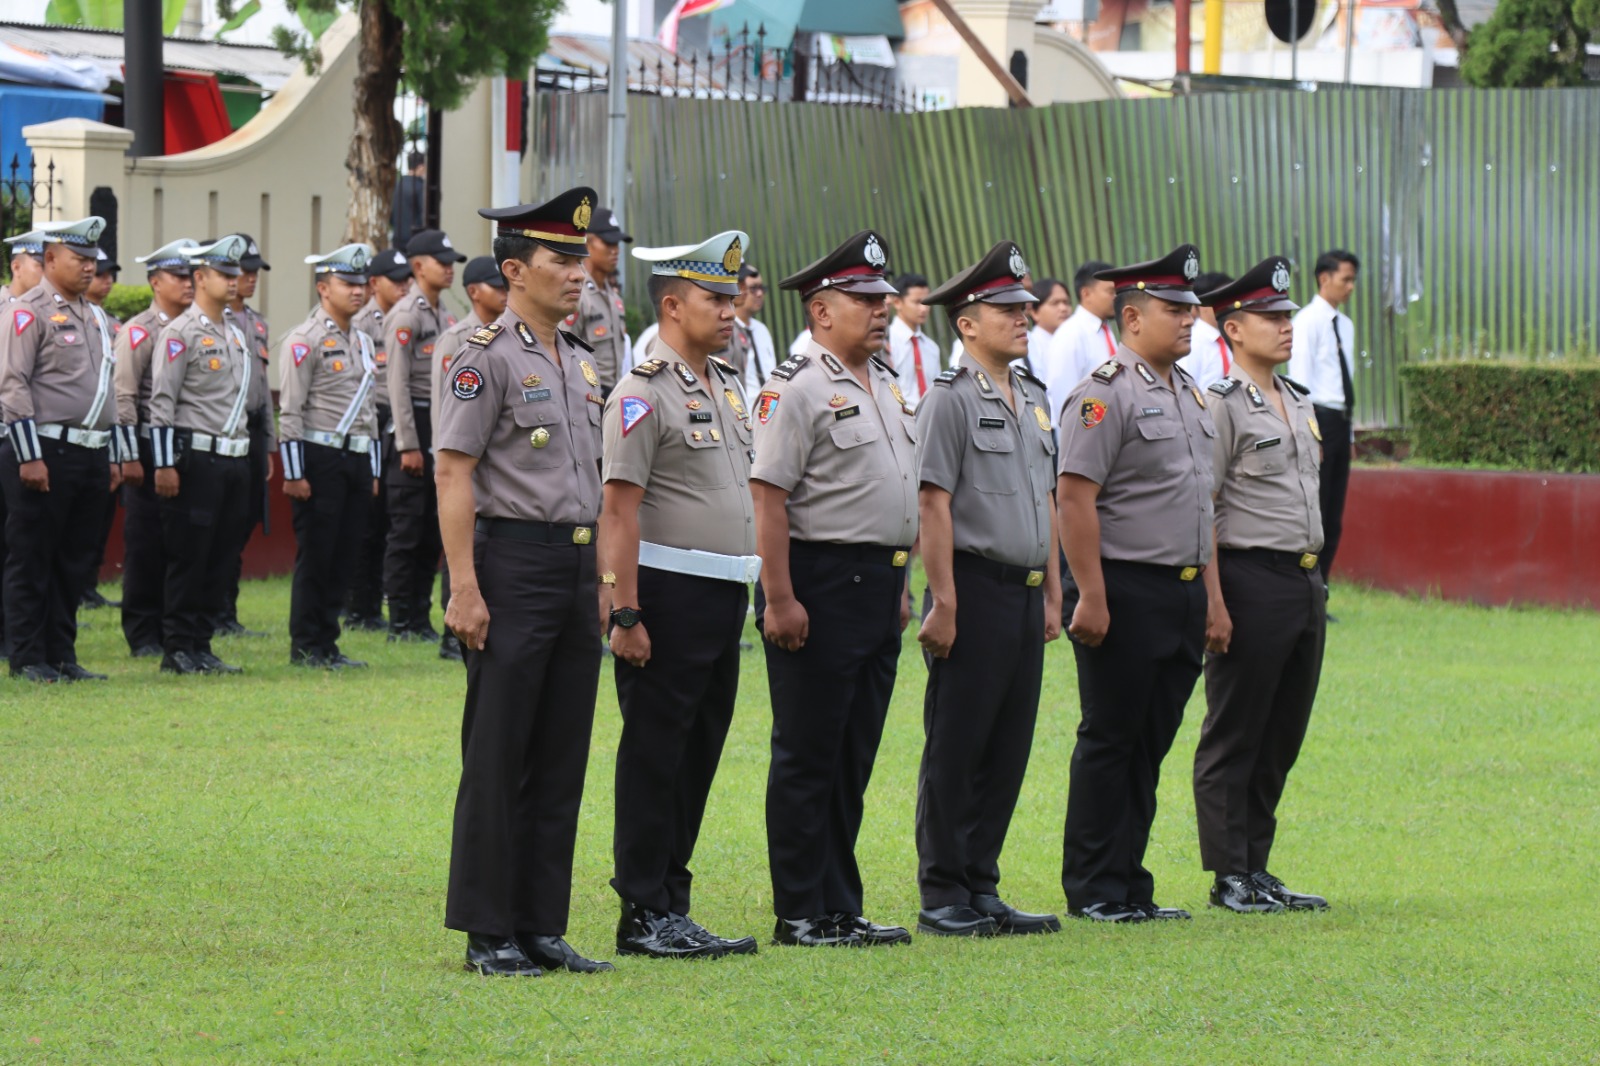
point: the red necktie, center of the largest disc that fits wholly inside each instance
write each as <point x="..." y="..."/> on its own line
<point x="916" y="359"/>
<point x="1111" y="347"/>
<point x="1222" y="346"/>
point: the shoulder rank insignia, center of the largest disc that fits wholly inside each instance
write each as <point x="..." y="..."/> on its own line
<point x="486" y="334"/>
<point x="791" y="366"/>
<point x="686" y="375"/>
<point x="1295" y="385"/>
<point x="832" y="363"/>
<point x="1144" y="372"/>
<point x="650" y="368"/>
<point x="1107" y="371"/>
<point x="723" y="366"/>
<point x="577" y="341"/>
<point x="949" y="375"/>
<point x="1028" y="375"/>
<point x="1223" y="386"/>
<point x="526" y="334"/>
<point x="983" y="381"/>
<point x="880" y="364"/>
<point x="1255" y="395"/>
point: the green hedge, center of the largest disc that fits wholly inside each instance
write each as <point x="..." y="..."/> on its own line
<point x="1505" y="414"/>
<point x="125" y="301"/>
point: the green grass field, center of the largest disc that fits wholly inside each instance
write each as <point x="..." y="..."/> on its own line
<point x="252" y="869"/>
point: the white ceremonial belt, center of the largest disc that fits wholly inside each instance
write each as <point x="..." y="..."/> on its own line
<point x="354" y="442"/>
<point x="83" y="438"/>
<point x="741" y="568"/>
<point x="227" y="447"/>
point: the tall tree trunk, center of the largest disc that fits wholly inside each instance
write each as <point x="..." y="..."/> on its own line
<point x="375" y="143"/>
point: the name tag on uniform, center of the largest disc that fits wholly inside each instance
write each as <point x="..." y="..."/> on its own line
<point x="530" y="395"/>
<point x="848" y="412"/>
<point x="1151" y="412"/>
<point x="699" y="416"/>
<point x="991" y="423"/>
<point x="1268" y="443"/>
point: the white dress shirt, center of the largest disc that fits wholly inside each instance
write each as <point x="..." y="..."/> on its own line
<point x="762" y="359"/>
<point x="1078" y="345"/>
<point x="639" y="351"/>
<point x="802" y="341"/>
<point x="903" y="355"/>
<point x="1314" y="361"/>
<point x="1209" y="359"/>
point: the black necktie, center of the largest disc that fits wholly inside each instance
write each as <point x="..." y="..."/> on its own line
<point x="1344" y="373"/>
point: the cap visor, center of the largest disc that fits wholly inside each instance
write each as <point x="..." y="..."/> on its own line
<point x="450" y="255"/>
<point x="721" y="288"/>
<point x="1175" y="296"/>
<point x="577" y="250"/>
<point x="1282" y="303"/>
<point x="867" y="286"/>
<point x="352" y="277"/>
<point x="1010" y="296"/>
<point x="90" y="252"/>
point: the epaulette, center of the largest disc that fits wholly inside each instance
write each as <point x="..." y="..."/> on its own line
<point x="880" y="364"/>
<point x="577" y="341"/>
<point x="650" y="368"/>
<point x="949" y="375"/>
<point x="485" y="335"/>
<point x="1107" y="370"/>
<point x="1028" y="375"/>
<point x="724" y="367"/>
<point x="791" y="366"/>
<point x="1295" y="385"/>
<point x="1223" y="386"/>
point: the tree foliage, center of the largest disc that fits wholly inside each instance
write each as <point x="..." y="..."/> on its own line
<point x="106" y="14"/>
<point x="1532" y="44"/>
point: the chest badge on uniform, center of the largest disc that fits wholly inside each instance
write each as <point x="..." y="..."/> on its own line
<point x="427" y="350"/>
<point x="1144" y="372"/>
<point x="208" y="342"/>
<point x="1255" y="395"/>
<point x="539" y="437"/>
<point x="697" y="436"/>
<point x="1199" y="399"/>
<point x="330" y="342"/>
<point x="1091" y="412"/>
<point x="213" y="363"/>
<point x="466" y="384"/>
<point x="69" y="338"/>
<point x="899" y="397"/>
<point x="1043" y="419"/>
<point x="531" y="381"/>
<point x="634" y="409"/>
<point x="299" y="351"/>
<point x="338" y="366"/>
<point x="59" y="319"/>
<point x="588" y="374"/>
<point x="1316" y="430"/>
<point x="716" y="435"/>
<point x="694" y="405"/>
<point x="991" y="423"/>
<point x="837" y="401"/>
<point x="734" y="402"/>
<point x="403" y="336"/>
<point x="766" y="404"/>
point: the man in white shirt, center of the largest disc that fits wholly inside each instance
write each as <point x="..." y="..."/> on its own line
<point x="751" y="299"/>
<point x="1323" y="360"/>
<point x="1054" y="305"/>
<point x="1084" y="340"/>
<point x="1209" y="359"/>
<point x="913" y="356"/>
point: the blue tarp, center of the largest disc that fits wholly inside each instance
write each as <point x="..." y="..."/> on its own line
<point x="26" y="105"/>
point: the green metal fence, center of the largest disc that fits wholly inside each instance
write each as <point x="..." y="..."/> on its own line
<point x="1476" y="214"/>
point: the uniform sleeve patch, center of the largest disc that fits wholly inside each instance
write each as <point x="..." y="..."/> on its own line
<point x="634" y="409"/>
<point x="23" y="320"/>
<point x="137" y="335"/>
<point x="466" y="384"/>
<point x="1092" y="412"/>
<point x="403" y="336"/>
<point x="766" y="404"/>
<point x="175" y="348"/>
<point x="299" y="351"/>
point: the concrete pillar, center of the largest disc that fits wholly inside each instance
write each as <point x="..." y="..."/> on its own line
<point x="1005" y="26"/>
<point x="87" y="155"/>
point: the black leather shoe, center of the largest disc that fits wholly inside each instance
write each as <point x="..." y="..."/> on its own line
<point x="147" y="651"/>
<point x="1012" y="922"/>
<point x="819" y="932"/>
<point x="92" y="599"/>
<point x="554" y="953"/>
<point x="743" y="945"/>
<point x="872" y="934"/>
<point x="1294" y="901"/>
<point x="180" y="662"/>
<point x="232" y="627"/>
<point x="74" y="672"/>
<point x="43" y="673"/>
<point x="1240" y="894"/>
<point x="366" y="623"/>
<point x="498" y="956"/>
<point x="424" y="633"/>
<point x="341" y="661"/>
<point x="1109" y="911"/>
<point x="450" y="647"/>
<point x="213" y="665"/>
<point x="1154" y="913"/>
<point x="400" y="634"/>
<point x="659" y="935"/>
<point x="311" y="660"/>
<point x="957" y="919"/>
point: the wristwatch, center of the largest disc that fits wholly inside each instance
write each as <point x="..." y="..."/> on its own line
<point x="608" y="578"/>
<point x="627" y="617"/>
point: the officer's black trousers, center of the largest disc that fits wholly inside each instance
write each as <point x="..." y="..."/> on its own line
<point x="241" y="530"/>
<point x="829" y="700"/>
<point x="525" y="738"/>
<point x="327" y="534"/>
<point x="411" y="556"/>
<point x="1335" y="481"/>
<point x="1132" y="689"/>
<point x="1259" y="698"/>
<point x="366" y="582"/>
<point x="197" y="532"/>
<point x="108" y="518"/>
<point x="144" y="566"/>
<point x="676" y="710"/>
<point x="5" y="644"/>
<point x="50" y="537"/>
<point x="978" y="714"/>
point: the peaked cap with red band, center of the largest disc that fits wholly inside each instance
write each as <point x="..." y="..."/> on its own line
<point x="560" y="224"/>
<point x="994" y="279"/>
<point x="1264" y="287"/>
<point x="1169" y="278"/>
<point x="857" y="265"/>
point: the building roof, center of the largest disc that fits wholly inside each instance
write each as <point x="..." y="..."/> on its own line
<point x="262" y="64"/>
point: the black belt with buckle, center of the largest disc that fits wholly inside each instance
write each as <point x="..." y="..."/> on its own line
<point x="1182" y="573"/>
<point x="859" y="553"/>
<point x="1297" y="560"/>
<point x="1004" y="573"/>
<point x="535" y="532"/>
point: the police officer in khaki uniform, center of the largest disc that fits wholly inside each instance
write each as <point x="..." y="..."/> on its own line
<point x="600" y="320"/>
<point x="144" y="566"/>
<point x="388" y="278"/>
<point x="200" y="386"/>
<point x="328" y="423"/>
<point x="836" y="515"/>
<point x="27" y="269"/>
<point x="518" y="459"/>
<point x="986" y="470"/>
<point x="59" y="457"/>
<point x="410" y="331"/>
<point x="1134" y="500"/>
<point x="681" y="544"/>
<point x="486" y="290"/>
<point x="1268" y="613"/>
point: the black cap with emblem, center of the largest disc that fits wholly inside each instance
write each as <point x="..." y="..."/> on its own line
<point x="1264" y="287"/>
<point x="105" y="264"/>
<point x="604" y="225"/>
<point x="433" y="242"/>
<point x="1169" y="278"/>
<point x="483" y="270"/>
<point x="560" y="223"/>
<point x="994" y="279"/>
<point x="857" y="265"/>
<point x="251" y="260"/>
<point x="390" y="263"/>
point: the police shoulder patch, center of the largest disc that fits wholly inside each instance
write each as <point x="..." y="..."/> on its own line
<point x="485" y="335"/>
<point x="950" y="375"/>
<point x="1295" y="385"/>
<point x="650" y="368"/>
<point x="1223" y="386"/>
<point x="1107" y="370"/>
<point x="466" y="384"/>
<point x="791" y="366"/>
<point x="577" y="341"/>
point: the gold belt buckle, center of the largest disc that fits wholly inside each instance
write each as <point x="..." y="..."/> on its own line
<point x="582" y="535"/>
<point x="1308" y="561"/>
<point x="1188" y="573"/>
<point x="1035" y="578"/>
<point x="900" y="558"/>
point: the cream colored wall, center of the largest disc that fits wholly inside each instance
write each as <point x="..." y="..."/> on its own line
<point x="1060" y="70"/>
